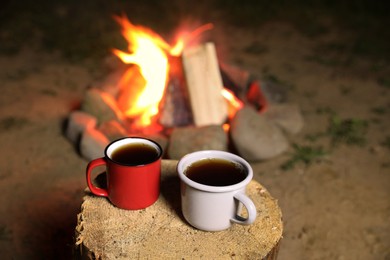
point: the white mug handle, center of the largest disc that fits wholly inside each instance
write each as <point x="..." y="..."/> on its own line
<point x="250" y="207"/>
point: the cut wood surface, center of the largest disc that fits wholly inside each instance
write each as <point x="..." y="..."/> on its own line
<point x="160" y="231"/>
<point x="204" y="83"/>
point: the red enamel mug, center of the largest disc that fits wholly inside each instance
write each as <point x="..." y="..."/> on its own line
<point x="133" y="170"/>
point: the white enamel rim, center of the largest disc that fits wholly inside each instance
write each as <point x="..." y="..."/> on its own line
<point x="128" y="140"/>
<point x="196" y="156"/>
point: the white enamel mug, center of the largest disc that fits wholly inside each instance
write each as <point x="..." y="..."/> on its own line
<point x="214" y="208"/>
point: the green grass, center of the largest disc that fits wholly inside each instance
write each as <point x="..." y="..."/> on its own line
<point x="350" y="131"/>
<point x="304" y="154"/>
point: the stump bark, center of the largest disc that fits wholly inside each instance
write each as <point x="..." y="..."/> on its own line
<point x="160" y="231"/>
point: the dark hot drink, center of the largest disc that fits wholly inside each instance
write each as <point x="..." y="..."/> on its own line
<point x="135" y="154"/>
<point x="216" y="172"/>
<point x="133" y="171"/>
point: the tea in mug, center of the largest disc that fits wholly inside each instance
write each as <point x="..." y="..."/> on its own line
<point x="135" y="154"/>
<point x="216" y="172"/>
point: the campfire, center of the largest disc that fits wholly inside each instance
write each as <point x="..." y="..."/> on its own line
<point x="142" y="89"/>
<point x="184" y="97"/>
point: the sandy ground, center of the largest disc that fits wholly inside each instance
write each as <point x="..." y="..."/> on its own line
<point x="338" y="207"/>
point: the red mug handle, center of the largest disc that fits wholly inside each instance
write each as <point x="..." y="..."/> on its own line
<point x="91" y="165"/>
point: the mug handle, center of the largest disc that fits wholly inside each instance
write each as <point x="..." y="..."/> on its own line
<point x="91" y="165"/>
<point x="250" y="207"/>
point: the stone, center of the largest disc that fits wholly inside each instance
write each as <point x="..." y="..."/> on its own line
<point x="185" y="140"/>
<point x="101" y="105"/>
<point x="110" y="83"/>
<point x="113" y="130"/>
<point x="274" y="91"/>
<point x="256" y="138"/>
<point x="92" y="144"/>
<point x="287" y="116"/>
<point x="78" y="121"/>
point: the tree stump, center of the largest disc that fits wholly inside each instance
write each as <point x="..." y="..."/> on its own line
<point x="161" y="232"/>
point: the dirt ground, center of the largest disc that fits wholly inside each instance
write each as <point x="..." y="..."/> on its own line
<point x="336" y="207"/>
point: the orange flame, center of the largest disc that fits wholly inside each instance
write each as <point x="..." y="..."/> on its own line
<point x="234" y="103"/>
<point x="146" y="50"/>
<point x="185" y="39"/>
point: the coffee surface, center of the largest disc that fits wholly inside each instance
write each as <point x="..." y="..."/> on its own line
<point x="216" y="172"/>
<point x="135" y="154"/>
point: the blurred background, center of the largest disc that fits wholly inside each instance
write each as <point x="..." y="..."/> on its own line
<point x="333" y="56"/>
<point x="81" y="30"/>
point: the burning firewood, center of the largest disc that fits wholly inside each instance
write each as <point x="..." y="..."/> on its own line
<point x="204" y="85"/>
<point x="175" y="110"/>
